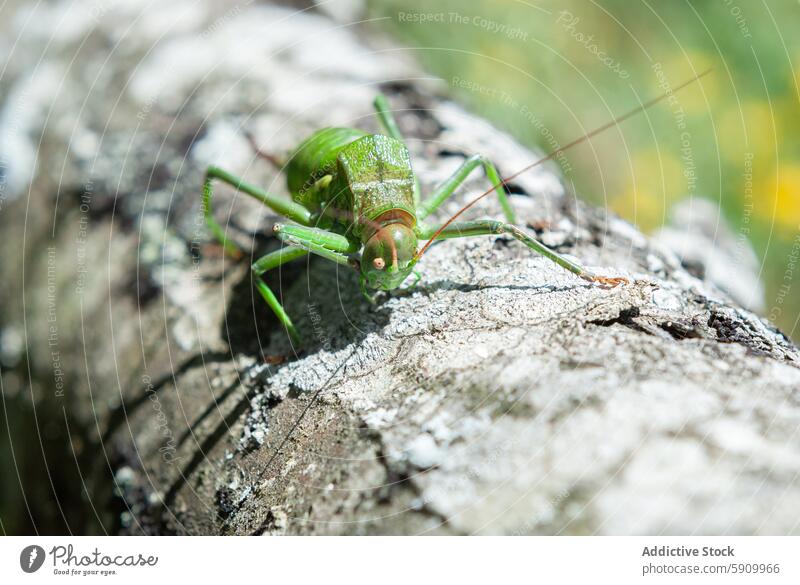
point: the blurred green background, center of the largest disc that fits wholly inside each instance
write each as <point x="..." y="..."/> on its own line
<point x="550" y="71"/>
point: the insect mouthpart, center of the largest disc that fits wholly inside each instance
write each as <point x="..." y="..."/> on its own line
<point x="388" y="256"/>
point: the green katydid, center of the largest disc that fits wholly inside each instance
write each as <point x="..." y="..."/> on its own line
<point x="356" y="201"/>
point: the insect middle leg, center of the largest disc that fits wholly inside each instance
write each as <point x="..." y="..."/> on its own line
<point x="285" y="207"/>
<point x="493" y="227"/>
<point x="302" y="241"/>
<point x="448" y="187"/>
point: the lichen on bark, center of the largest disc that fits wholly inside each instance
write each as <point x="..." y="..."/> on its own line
<point x="502" y="395"/>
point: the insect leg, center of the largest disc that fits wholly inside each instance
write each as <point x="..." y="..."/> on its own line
<point x="447" y="188"/>
<point x="489" y="227"/>
<point x="386" y="118"/>
<point x="384" y="113"/>
<point x="313" y="236"/>
<point x="285" y="207"/>
<point x="268" y="262"/>
<point x="300" y="244"/>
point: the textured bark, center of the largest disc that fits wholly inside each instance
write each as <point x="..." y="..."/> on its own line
<point x="502" y="395"/>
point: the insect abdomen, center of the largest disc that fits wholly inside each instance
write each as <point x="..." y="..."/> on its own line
<point x="316" y="157"/>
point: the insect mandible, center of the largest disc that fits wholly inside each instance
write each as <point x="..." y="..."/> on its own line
<point x="355" y="200"/>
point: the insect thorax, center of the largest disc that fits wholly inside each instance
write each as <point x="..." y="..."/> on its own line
<point x="369" y="176"/>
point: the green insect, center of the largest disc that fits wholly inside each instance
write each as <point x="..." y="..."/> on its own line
<point x="356" y="201"/>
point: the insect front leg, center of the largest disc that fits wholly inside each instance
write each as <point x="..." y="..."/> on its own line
<point x="302" y="241"/>
<point x="324" y="243"/>
<point x="492" y="227"/>
<point x="266" y="263"/>
<point x="281" y="205"/>
<point x="448" y="187"/>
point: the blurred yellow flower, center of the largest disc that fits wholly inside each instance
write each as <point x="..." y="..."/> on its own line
<point x="657" y="183"/>
<point x="780" y="198"/>
<point x="759" y="116"/>
<point x="647" y="210"/>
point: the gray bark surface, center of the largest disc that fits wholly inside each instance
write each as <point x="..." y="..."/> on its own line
<point x="502" y="395"/>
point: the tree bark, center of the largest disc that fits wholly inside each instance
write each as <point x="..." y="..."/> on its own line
<point x="501" y="396"/>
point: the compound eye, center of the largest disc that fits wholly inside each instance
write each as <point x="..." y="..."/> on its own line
<point x="379" y="263"/>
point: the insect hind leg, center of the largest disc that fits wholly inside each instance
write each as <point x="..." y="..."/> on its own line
<point x="484" y="227"/>
<point x="389" y="124"/>
<point x="283" y="206"/>
<point x="448" y="187"/>
<point x="386" y="118"/>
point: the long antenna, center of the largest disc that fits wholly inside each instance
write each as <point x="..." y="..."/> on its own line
<point x="555" y="153"/>
<point x="255" y="485"/>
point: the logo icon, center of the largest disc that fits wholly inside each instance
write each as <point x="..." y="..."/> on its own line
<point x="31" y="558"/>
